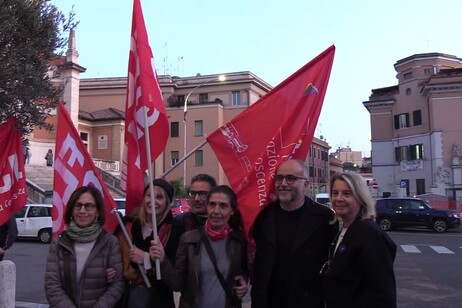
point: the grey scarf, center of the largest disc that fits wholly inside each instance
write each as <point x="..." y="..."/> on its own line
<point x="84" y="235"/>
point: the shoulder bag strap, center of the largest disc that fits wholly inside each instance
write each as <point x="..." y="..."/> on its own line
<point x="208" y="247"/>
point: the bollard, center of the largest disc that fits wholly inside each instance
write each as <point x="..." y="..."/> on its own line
<point x="7" y="284"/>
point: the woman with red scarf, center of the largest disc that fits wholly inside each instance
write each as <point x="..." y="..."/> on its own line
<point x="211" y="262"/>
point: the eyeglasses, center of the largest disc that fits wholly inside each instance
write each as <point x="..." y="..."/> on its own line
<point x="88" y="206"/>
<point x="290" y="179"/>
<point x="202" y="194"/>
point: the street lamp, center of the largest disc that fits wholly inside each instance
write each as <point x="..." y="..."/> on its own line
<point x="185" y="110"/>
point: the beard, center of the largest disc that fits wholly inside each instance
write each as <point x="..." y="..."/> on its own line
<point x="287" y="196"/>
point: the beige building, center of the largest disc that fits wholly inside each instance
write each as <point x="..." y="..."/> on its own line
<point x="97" y="108"/>
<point x="416" y="128"/>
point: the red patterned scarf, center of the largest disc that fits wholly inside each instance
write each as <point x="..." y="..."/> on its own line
<point x="217" y="235"/>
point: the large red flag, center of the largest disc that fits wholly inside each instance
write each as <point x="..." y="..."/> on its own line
<point x="13" y="194"/>
<point x="280" y="126"/>
<point x="142" y="90"/>
<point x="75" y="168"/>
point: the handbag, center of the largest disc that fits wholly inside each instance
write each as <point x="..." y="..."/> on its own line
<point x="235" y="302"/>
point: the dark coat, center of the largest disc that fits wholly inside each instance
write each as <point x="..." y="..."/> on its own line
<point x="161" y="293"/>
<point x="309" y="252"/>
<point x="95" y="291"/>
<point x="8" y="234"/>
<point x="184" y="276"/>
<point x="361" y="271"/>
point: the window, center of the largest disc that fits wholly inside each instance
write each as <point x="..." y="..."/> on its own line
<point x="416" y="151"/>
<point x="407" y="75"/>
<point x="401" y="120"/>
<point x="84" y="137"/>
<point x="174" y="126"/>
<point x="420" y="186"/>
<point x="427" y="71"/>
<point x="236" y="98"/>
<point x="203" y="98"/>
<point x="311" y="171"/>
<point x="180" y="100"/>
<point x="409" y="152"/>
<point x="417" y="117"/>
<point x="401" y="153"/>
<point x="174" y="157"/>
<point x="198" y="158"/>
<point x="198" y="128"/>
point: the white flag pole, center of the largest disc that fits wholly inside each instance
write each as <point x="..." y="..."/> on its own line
<point x="151" y="186"/>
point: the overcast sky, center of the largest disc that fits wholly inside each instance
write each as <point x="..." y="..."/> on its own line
<point x="273" y="39"/>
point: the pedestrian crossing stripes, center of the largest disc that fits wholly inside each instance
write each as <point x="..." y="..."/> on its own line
<point x="437" y="249"/>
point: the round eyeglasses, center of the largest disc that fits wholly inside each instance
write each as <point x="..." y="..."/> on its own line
<point x="88" y="206"/>
<point x="290" y="179"/>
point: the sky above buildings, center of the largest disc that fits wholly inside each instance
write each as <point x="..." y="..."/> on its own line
<point x="273" y="39"/>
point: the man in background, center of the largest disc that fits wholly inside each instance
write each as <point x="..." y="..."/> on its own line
<point x="201" y="184"/>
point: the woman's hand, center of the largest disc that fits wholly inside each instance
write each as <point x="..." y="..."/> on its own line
<point x="156" y="251"/>
<point x="240" y="286"/>
<point x="136" y="255"/>
<point x="110" y="274"/>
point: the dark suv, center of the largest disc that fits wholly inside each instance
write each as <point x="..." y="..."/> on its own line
<point x="412" y="212"/>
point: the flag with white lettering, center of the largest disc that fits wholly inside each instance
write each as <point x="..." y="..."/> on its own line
<point x="280" y="126"/>
<point x="13" y="196"/>
<point x="142" y="90"/>
<point x="74" y="168"/>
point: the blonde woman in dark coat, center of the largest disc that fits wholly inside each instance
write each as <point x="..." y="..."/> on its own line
<point x="359" y="272"/>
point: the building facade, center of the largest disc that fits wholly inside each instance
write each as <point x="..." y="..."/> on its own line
<point x="97" y="105"/>
<point x="416" y="128"/>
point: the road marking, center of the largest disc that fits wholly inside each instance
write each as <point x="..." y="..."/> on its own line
<point x="441" y="249"/>
<point x="410" y="249"/>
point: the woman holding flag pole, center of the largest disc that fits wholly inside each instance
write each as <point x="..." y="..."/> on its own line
<point x="140" y="230"/>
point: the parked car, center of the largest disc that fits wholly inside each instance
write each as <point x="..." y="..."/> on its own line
<point x="34" y="221"/>
<point x="413" y="212"/>
<point x="180" y="205"/>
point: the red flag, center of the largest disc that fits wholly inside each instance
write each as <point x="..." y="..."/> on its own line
<point x="280" y="126"/>
<point x="142" y="90"/>
<point x="13" y="195"/>
<point x="74" y="168"/>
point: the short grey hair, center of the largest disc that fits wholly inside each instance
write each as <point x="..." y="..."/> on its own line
<point x="359" y="190"/>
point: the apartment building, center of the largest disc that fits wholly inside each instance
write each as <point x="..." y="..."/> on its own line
<point x="416" y="128"/>
<point x="97" y="107"/>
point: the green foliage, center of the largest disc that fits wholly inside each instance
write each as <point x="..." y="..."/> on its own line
<point x="31" y="36"/>
<point x="180" y="190"/>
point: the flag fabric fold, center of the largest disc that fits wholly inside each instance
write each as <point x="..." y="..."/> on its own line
<point x="278" y="127"/>
<point x="74" y="168"/>
<point x="13" y="195"/>
<point x="142" y="90"/>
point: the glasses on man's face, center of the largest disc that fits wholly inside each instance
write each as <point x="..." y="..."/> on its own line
<point x="87" y="206"/>
<point x="201" y="193"/>
<point x="290" y="179"/>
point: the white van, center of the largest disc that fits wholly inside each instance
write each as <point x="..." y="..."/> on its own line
<point x="323" y="198"/>
<point x="34" y="221"/>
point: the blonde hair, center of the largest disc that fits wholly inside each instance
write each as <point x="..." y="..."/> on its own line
<point x="359" y="190"/>
<point x="143" y="216"/>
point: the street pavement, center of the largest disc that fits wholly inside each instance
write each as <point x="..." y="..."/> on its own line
<point x="427" y="269"/>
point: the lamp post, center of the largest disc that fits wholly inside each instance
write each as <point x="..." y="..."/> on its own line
<point x="185" y="110"/>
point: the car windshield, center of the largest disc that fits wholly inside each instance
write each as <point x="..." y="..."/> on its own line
<point x="428" y="204"/>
